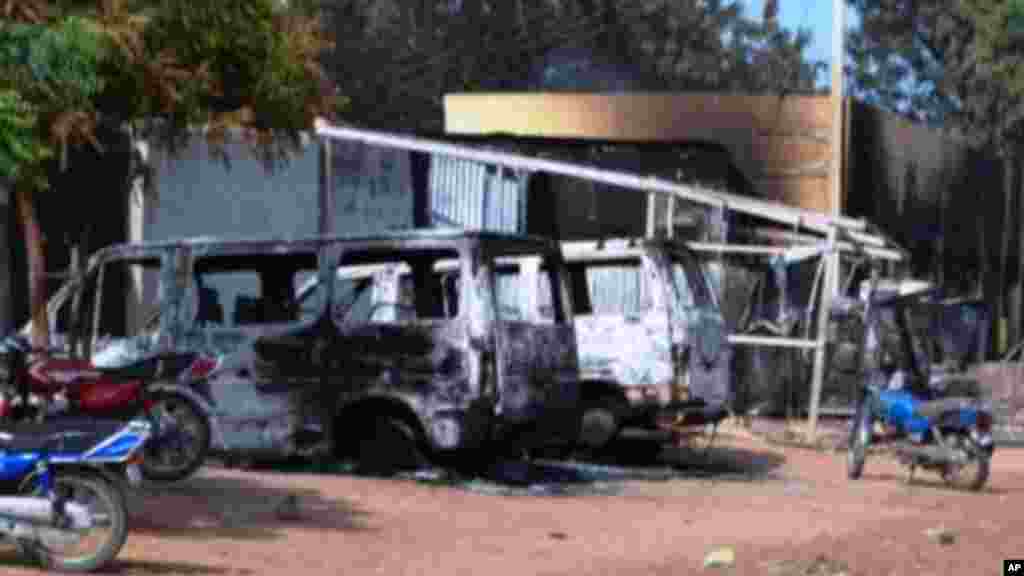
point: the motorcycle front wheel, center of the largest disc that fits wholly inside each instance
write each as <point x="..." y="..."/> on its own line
<point x="83" y="551"/>
<point x="860" y="437"/>
<point x="183" y="440"/>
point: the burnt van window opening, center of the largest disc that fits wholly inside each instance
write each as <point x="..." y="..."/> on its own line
<point x="250" y="289"/>
<point x="512" y="280"/>
<point x="396" y="286"/>
<point x="610" y="287"/>
<point x="129" y="295"/>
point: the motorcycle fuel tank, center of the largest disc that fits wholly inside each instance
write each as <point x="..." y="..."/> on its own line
<point x="898" y="410"/>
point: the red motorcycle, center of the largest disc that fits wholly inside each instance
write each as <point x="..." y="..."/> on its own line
<point x="163" y="388"/>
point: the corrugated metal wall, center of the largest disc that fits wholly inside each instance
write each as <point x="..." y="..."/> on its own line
<point x="470" y="195"/>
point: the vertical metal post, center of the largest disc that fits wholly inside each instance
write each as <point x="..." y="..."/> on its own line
<point x="670" y="217"/>
<point x="831" y="278"/>
<point x="838" y="47"/>
<point x="829" y="282"/>
<point x="522" y="190"/>
<point x="323" y="402"/>
<point x="71" y="337"/>
<point x="649" y="225"/>
<point x="325" y="198"/>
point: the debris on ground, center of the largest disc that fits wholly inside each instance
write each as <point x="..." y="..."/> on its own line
<point x="821" y="565"/>
<point x="942" y="535"/>
<point x="720" y="558"/>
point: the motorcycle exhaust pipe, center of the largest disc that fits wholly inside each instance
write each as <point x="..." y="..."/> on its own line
<point x="934" y="454"/>
<point x="40" y="511"/>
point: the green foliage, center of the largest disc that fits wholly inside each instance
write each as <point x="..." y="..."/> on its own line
<point x="168" y="66"/>
<point x="955" y="64"/>
<point x="49" y="76"/>
<point x="398" y="59"/>
<point x="252" y="66"/>
<point x="20" y="146"/>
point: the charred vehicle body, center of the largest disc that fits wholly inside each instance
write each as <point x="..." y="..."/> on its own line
<point x="652" y="339"/>
<point x="312" y="348"/>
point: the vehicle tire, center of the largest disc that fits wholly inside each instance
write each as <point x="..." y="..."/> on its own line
<point x="186" y="411"/>
<point x="600" y="423"/>
<point x="974" y="474"/>
<point x="860" y="438"/>
<point x="107" y="495"/>
<point x="388" y="446"/>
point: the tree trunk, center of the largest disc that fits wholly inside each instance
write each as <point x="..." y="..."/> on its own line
<point x="36" y="267"/>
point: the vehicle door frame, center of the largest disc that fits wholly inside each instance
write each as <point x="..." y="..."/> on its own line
<point x="83" y="333"/>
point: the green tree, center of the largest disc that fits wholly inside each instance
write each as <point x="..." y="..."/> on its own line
<point x="158" y="68"/>
<point x="398" y="59"/>
<point x="954" y="65"/>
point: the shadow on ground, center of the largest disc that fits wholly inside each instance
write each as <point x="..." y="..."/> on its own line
<point x="720" y="461"/>
<point x="216" y="506"/>
<point x="931" y="481"/>
<point x="11" y="559"/>
<point x="629" y="460"/>
<point x="132" y="567"/>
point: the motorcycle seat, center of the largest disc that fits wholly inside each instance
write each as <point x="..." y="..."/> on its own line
<point x="140" y="370"/>
<point x="148" y="368"/>
<point x="935" y="408"/>
<point x="74" y="436"/>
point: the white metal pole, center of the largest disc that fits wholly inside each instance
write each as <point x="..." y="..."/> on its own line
<point x="828" y="284"/>
<point x="831" y="278"/>
<point x="838" y="46"/>
<point x="789" y="215"/>
<point x="649" y="225"/>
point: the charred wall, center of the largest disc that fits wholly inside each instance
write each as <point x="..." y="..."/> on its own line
<point x="956" y="209"/>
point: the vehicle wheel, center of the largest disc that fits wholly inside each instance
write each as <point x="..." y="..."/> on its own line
<point x="389" y="446"/>
<point x="600" y="423"/>
<point x="970" y="475"/>
<point x="860" y="438"/>
<point x="110" y="517"/>
<point x="177" y="454"/>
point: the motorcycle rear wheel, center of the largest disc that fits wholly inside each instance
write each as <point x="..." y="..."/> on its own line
<point x="972" y="475"/>
<point x="154" y="468"/>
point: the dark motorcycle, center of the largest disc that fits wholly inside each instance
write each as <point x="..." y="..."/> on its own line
<point x="927" y="425"/>
<point x="44" y="386"/>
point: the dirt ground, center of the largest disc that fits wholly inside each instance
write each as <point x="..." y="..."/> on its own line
<point x="782" y="511"/>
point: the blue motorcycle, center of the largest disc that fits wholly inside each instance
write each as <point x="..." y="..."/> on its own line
<point x="903" y="405"/>
<point x="61" y="497"/>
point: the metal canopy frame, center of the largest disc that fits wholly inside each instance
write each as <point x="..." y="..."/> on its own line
<point x="830" y="236"/>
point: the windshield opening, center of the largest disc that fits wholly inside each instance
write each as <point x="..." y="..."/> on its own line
<point x="397" y="286"/>
<point x="251" y="289"/>
<point x="525" y="287"/>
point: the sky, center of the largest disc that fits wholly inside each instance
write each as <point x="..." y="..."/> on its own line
<point x="815" y="15"/>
